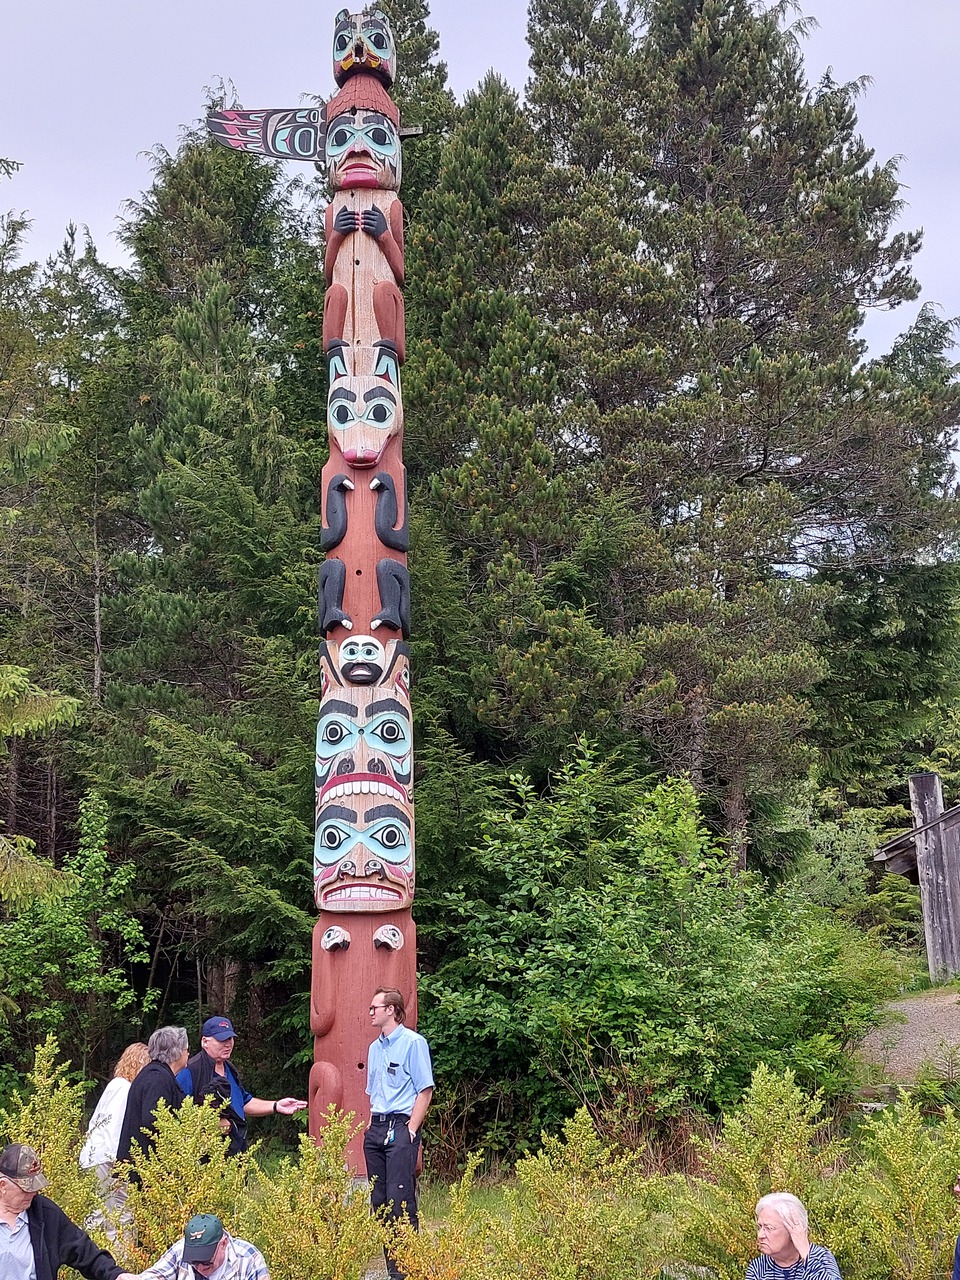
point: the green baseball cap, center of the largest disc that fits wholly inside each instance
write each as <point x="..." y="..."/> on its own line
<point x="201" y="1237"/>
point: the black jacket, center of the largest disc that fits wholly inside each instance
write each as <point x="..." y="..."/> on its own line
<point x="57" y="1243"/>
<point x="154" y="1082"/>
<point x="207" y="1084"/>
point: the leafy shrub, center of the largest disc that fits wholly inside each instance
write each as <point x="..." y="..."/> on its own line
<point x="48" y="1116"/>
<point x="776" y="1141"/>
<point x="186" y="1172"/>
<point x="65" y="957"/>
<point x="910" y="1223"/>
<point x="579" y="1210"/>
<point x="616" y="950"/>
<point x="304" y="1216"/>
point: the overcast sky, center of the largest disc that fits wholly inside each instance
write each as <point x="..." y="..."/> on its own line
<point x="89" y="86"/>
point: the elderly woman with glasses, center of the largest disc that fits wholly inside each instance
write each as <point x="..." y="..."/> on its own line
<point x="785" y="1249"/>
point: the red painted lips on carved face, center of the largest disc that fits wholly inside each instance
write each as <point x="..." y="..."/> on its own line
<point x="349" y="784"/>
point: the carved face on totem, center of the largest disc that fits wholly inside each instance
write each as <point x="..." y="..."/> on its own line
<point x="362" y="660"/>
<point x="364" y="42"/>
<point x="363" y="856"/>
<point x="363" y="150"/>
<point x="363" y="416"/>
<point x="363" y="852"/>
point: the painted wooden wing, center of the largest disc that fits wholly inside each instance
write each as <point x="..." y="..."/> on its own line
<point x="283" y="134"/>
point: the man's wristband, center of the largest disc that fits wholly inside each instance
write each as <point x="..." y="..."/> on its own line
<point x="275" y="1107"/>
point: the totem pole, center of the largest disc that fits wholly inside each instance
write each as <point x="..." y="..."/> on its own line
<point x="364" y="848"/>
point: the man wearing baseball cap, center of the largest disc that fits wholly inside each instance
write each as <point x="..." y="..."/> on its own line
<point x="208" y="1249"/>
<point x="36" y="1236"/>
<point x="210" y="1074"/>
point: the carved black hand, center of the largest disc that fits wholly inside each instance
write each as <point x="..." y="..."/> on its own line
<point x="374" y="222"/>
<point x="347" y="221"/>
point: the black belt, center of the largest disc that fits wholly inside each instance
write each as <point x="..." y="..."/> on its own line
<point x="381" y="1117"/>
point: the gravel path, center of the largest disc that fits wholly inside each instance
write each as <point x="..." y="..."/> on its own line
<point x="929" y="1033"/>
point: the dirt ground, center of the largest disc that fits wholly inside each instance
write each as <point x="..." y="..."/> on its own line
<point x="929" y="1033"/>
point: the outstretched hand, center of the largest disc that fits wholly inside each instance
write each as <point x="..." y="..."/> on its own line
<point x="290" y="1106"/>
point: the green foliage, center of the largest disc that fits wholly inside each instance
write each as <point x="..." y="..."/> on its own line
<point x="66" y="958"/>
<point x="911" y="1227"/>
<point x="46" y="1112"/>
<point x="578" y="1208"/>
<point x="613" y="951"/>
<point x="25" y="708"/>
<point x="186" y="1172"/>
<point x="306" y="1215"/>
<point x="777" y="1140"/>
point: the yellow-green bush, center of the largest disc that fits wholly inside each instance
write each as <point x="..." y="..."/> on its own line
<point x="305" y="1217"/>
<point x="910" y="1220"/>
<point x="48" y="1116"/>
<point x="187" y="1172"/>
<point x="579" y="1210"/>
<point x="777" y="1141"/>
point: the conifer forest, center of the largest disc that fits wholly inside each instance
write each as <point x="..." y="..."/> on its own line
<point x="684" y="573"/>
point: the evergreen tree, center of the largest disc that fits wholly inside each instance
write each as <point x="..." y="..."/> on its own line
<point x="709" y="381"/>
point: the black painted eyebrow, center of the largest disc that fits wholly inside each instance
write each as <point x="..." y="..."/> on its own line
<point x="341" y="393"/>
<point x="380" y="393"/>
<point x="336" y="811"/>
<point x="386" y="811"/>
<point x="345" y="708"/>
<point x="387" y="704"/>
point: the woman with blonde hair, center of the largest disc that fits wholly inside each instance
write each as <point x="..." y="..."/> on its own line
<point x="785" y="1249"/>
<point x="103" y="1133"/>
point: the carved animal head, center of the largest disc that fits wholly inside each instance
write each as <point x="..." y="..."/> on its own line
<point x="364" y="42"/>
<point x="363" y="416"/>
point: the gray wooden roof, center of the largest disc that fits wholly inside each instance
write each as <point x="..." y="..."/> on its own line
<point x="899" y="853"/>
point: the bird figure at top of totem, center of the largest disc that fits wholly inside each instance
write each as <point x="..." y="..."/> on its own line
<point x="363" y="42"/>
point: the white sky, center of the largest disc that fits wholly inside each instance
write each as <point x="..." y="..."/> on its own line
<point x="90" y="85"/>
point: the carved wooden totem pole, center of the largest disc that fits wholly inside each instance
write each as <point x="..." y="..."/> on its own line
<point x="364" y="848"/>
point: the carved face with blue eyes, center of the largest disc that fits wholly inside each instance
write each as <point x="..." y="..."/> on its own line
<point x="363" y="416"/>
<point x="364" y="745"/>
<point x="363" y="855"/>
<point x="363" y="851"/>
<point x="363" y="42"/>
<point x="363" y="150"/>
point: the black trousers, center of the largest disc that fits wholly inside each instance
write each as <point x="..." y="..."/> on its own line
<point x="392" y="1170"/>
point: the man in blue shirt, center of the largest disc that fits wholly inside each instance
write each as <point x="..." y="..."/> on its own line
<point x="209" y="1074"/>
<point x="400" y="1086"/>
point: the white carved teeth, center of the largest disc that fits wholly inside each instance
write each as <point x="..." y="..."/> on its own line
<point x="365" y="788"/>
<point x="362" y="892"/>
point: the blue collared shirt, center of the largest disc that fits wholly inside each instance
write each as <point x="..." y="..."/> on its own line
<point x="398" y="1068"/>
<point x="16" y="1252"/>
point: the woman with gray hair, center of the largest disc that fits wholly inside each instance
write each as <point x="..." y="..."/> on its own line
<point x="785" y="1249"/>
<point x="168" y="1050"/>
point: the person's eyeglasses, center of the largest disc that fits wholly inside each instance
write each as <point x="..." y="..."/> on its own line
<point x="375" y="1007"/>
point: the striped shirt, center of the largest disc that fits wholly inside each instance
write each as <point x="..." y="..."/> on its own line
<point x="819" y="1264"/>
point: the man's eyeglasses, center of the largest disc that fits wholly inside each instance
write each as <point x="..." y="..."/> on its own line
<point x="375" y="1007"/>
